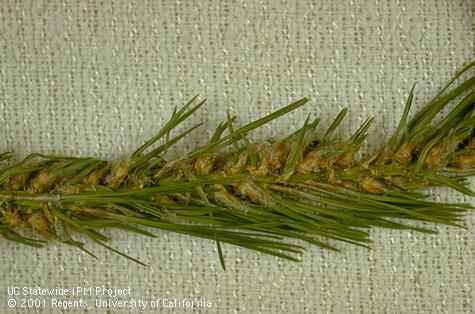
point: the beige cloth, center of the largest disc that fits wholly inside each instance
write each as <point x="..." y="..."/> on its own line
<point x="97" y="78"/>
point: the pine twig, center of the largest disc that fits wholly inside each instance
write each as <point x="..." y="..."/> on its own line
<point x="307" y="186"/>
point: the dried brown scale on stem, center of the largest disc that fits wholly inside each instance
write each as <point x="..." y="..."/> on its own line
<point x="118" y="173"/>
<point x="204" y="165"/>
<point x="41" y="181"/>
<point x="93" y="178"/>
<point x="307" y="186"/>
<point x="18" y="181"/>
<point x="466" y="161"/>
<point x="404" y="155"/>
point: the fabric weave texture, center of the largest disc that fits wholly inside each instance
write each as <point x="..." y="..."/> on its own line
<point x="90" y="78"/>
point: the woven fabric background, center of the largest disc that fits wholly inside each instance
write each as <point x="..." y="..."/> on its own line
<point x="97" y="78"/>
